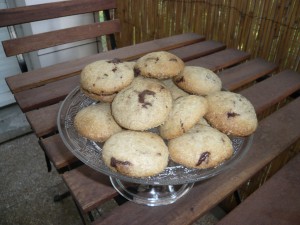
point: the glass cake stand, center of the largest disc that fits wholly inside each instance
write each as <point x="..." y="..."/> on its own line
<point x="165" y="188"/>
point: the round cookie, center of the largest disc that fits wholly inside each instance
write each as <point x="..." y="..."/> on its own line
<point x="160" y="65"/>
<point x="231" y="113"/>
<point x="186" y="112"/>
<point x="198" y="80"/>
<point x="96" y="123"/>
<point x="206" y="148"/>
<point x="136" y="154"/>
<point x="176" y="92"/>
<point x="143" y="105"/>
<point x="105" y="77"/>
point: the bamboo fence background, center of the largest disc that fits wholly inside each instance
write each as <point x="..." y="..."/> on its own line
<point x="265" y="28"/>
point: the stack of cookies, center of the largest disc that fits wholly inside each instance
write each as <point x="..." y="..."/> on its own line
<point x="157" y="109"/>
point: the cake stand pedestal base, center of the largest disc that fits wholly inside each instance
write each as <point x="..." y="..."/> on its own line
<point x="151" y="195"/>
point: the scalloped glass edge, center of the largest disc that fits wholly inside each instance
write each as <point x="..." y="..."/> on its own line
<point x="89" y="152"/>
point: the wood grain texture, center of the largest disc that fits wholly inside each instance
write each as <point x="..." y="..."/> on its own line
<point x="57" y="152"/>
<point x="58" y="37"/>
<point x="25" y="14"/>
<point x="276" y="202"/>
<point x="242" y="74"/>
<point x="89" y="187"/>
<point x="43" y="121"/>
<point x="221" y="59"/>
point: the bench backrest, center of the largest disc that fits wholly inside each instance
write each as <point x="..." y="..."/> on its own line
<point x="26" y="14"/>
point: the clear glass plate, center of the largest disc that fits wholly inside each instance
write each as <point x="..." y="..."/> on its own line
<point x="89" y="152"/>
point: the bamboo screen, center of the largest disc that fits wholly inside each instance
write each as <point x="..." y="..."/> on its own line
<point x="265" y="28"/>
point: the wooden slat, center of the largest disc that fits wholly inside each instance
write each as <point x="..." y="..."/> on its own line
<point x="245" y="73"/>
<point x="43" y="121"/>
<point x="197" y="50"/>
<point x="276" y="202"/>
<point x="49" y="74"/>
<point x="273" y="90"/>
<point x="25" y="14"/>
<point x="57" y="152"/>
<point x="53" y="38"/>
<point x="219" y="60"/>
<point x="205" y="195"/>
<point x="46" y="95"/>
<point x="89" y="187"/>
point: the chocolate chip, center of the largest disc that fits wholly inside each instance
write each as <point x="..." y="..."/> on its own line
<point x="203" y="158"/>
<point x="106" y="75"/>
<point x="114" y="162"/>
<point x="181" y="79"/>
<point x="232" y="114"/>
<point x="114" y="69"/>
<point x="144" y="93"/>
<point x="137" y="72"/>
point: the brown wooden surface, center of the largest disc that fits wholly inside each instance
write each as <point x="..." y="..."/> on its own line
<point x="43" y="121"/>
<point x="49" y="74"/>
<point x="53" y="38"/>
<point x="205" y="195"/>
<point x="219" y="60"/>
<point x="245" y="73"/>
<point x="273" y="90"/>
<point x="32" y="13"/>
<point x="57" y="152"/>
<point x="89" y="187"/>
<point x="276" y="202"/>
<point x="197" y="50"/>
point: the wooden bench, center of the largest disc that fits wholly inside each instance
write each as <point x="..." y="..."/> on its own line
<point x="238" y="71"/>
<point x="276" y="202"/>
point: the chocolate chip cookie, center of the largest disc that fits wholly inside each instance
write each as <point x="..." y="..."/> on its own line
<point x="96" y="123"/>
<point x="205" y="148"/>
<point x="136" y="154"/>
<point x="160" y="65"/>
<point x="198" y="80"/>
<point x="144" y="104"/>
<point x="231" y="113"/>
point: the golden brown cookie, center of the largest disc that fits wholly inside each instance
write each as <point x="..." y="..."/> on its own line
<point x="96" y="123"/>
<point x="159" y="65"/>
<point x="231" y="113"/>
<point x="205" y="148"/>
<point x="136" y="154"/>
<point x="145" y="104"/>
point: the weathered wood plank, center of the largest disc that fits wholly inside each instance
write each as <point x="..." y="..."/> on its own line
<point x="43" y="121"/>
<point x="59" y="71"/>
<point x="25" y="14"/>
<point x="197" y="50"/>
<point x="57" y="152"/>
<point x="89" y="187"/>
<point x="276" y="202"/>
<point x="244" y="73"/>
<point x="53" y="38"/>
<point x="220" y="60"/>
<point x="47" y="94"/>
<point x="266" y="94"/>
<point x="205" y="195"/>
